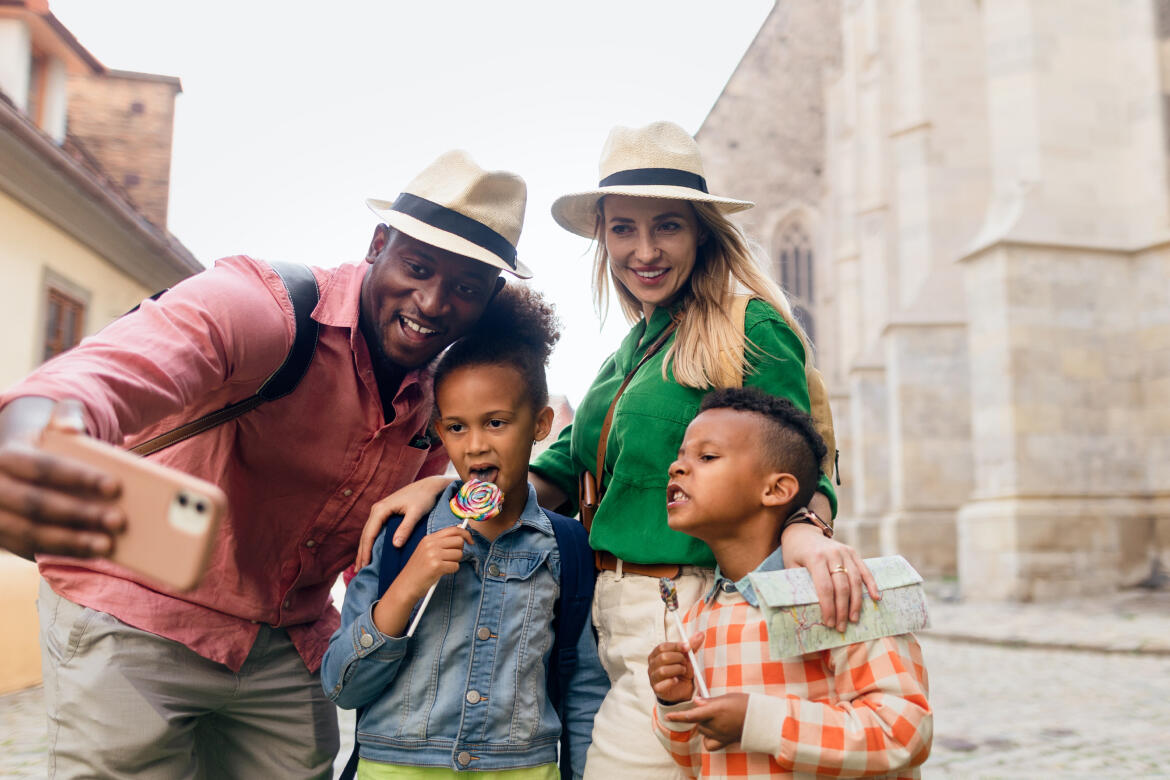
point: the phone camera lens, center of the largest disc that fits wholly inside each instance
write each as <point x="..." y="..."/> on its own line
<point x="182" y="499"/>
<point x="200" y="507"/>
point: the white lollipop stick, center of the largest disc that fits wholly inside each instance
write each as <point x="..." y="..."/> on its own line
<point x="474" y="499"/>
<point x="426" y="600"/>
<point x="670" y="598"/>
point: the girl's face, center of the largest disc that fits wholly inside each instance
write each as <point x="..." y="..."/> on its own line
<point x="488" y="425"/>
<point x="652" y="244"/>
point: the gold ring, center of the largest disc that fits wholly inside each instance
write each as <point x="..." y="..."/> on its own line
<point x="838" y="569"/>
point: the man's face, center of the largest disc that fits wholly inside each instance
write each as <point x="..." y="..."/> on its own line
<point x="417" y="298"/>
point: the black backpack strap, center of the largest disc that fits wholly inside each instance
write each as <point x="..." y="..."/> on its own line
<point x="570" y="615"/>
<point x="301" y="286"/>
<point x="389" y="567"/>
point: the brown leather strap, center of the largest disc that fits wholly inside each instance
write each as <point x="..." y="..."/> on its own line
<point x="607" y="561"/>
<point x="603" y="440"/>
<point x="195" y="427"/>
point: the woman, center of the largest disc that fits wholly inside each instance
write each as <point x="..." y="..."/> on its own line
<point x="676" y="262"/>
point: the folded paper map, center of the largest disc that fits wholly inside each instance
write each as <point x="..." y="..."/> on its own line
<point x="789" y="603"/>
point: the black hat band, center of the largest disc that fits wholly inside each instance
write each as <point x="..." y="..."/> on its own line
<point x="451" y="221"/>
<point x="672" y="177"/>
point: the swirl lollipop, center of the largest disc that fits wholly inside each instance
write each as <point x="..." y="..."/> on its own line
<point x="475" y="500"/>
<point x="669" y="595"/>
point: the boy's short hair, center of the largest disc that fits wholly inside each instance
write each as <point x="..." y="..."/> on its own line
<point x="791" y="443"/>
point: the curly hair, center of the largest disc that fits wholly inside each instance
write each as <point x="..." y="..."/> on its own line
<point x="519" y="329"/>
<point x="790" y="441"/>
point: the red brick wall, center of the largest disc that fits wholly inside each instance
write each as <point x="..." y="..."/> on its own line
<point x="126" y="122"/>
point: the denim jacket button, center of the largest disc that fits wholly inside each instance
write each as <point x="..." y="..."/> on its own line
<point x="464" y="758"/>
<point x="473" y="697"/>
<point x="484" y="633"/>
<point x="493" y="570"/>
<point x="366" y="640"/>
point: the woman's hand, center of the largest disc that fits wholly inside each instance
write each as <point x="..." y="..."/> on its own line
<point x="412" y="502"/>
<point x="803" y="544"/>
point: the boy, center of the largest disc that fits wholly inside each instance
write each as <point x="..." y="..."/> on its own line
<point x="748" y="460"/>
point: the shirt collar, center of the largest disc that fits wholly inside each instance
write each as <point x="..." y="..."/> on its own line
<point x="442" y="516"/>
<point x="774" y="562"/>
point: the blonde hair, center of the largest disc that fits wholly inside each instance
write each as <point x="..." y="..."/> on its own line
<point x="709" y="348"/>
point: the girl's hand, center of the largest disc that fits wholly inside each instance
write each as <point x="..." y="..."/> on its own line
<point x="437" y="554"/>
<point x="670" y="671"/>
<point x="803" y="544"/>
<point x="412" y="502"/>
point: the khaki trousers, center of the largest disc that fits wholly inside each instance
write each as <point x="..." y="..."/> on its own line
<point x="631" y="620"/>
<point x="126" y="703"/>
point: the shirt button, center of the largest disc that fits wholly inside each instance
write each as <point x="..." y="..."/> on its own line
<point x="366" y="640"/>
<point x="287" y="603"/>
<point x="484" y="633"/>
<point x="310" y="543"/>
<point x="473" y="697"/>
<point x="463" y="758"/>
<point x="728" y="586"/>
<point x="347" y="492"/>
<point x="377" y="434"/>
<point x="493" y="570"/>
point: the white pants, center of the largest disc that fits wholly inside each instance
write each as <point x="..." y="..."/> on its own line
<point x="631" y="620"/>
<point x="126" y="703"/>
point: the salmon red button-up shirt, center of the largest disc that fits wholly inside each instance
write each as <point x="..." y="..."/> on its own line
<point x="300" y="472"/>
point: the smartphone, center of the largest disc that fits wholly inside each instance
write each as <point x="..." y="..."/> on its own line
<point x="171" y="516"/>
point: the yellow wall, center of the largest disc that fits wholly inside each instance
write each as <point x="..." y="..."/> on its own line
<point x="18" y="613"/>
<point x="28" y="246"/>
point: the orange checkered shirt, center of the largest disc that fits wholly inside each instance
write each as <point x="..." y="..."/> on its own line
<point x="853" y="711"/>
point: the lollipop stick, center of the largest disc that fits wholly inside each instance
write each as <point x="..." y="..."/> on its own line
<point x="699" y="681"/>
<point x="426" y="600"/>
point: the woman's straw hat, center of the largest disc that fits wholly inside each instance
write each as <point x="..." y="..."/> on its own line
<point x="458" y="206"/>
<point x="660" y="160"/>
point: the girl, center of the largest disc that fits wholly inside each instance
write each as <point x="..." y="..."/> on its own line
<point x="468" y="691"/>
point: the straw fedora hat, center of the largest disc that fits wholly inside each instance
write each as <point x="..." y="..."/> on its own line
<point x="660" y="160"/>
<point x="458" y="206"/>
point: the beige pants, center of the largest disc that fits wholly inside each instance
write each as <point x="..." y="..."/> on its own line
<point x="631" y="620"/>
<point x="126" y="703"/>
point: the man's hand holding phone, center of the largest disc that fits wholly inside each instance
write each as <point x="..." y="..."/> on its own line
<point x="52" y="503"/>
<point x="69" y="494"/>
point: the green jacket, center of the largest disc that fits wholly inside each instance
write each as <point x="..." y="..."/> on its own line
<point x="648" y="427"/>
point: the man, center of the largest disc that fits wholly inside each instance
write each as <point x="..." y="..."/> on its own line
<point x="222" y="680"/>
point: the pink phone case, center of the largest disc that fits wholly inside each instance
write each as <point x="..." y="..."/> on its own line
<point x="171" y="516"/>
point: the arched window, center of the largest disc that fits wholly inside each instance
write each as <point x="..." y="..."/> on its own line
<point x="796" y="274"/>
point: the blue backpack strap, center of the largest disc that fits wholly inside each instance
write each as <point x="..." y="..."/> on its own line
<point x="569" y="618"/>
<point x="389" y="567"/>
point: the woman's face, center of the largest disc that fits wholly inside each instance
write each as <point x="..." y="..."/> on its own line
<point x="652" y="245"/>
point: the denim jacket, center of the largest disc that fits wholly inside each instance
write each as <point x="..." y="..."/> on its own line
<point x="467" y="691"/>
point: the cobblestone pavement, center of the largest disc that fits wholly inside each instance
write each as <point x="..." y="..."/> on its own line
<point x="1010" y="700"/>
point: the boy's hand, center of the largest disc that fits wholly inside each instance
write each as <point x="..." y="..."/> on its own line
<point x="719" y="719"/>
<point x="437" y="554"/>
<point x="412" y="502"/>
<point x="670" y="671"/>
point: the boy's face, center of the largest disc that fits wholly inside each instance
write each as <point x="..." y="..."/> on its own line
<point x="488" y="425"/>
<point x="719" y="477"/>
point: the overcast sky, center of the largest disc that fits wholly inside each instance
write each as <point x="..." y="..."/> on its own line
<point x="293" y="113"/>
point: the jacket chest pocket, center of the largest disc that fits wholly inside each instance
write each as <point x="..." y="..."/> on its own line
<point x="647" y="431"/>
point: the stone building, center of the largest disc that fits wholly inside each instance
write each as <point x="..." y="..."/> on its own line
<point x="84" y="181"/>
<point x="968" y="201"/>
